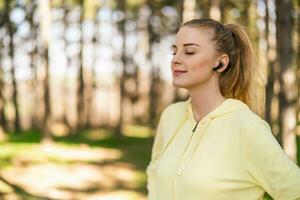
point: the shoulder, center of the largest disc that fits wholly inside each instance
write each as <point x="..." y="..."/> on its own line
<point x="253" y="121"/>
<point x="254" y="129"/>
<point x="246" y="118"/>
<point x="172" y="115"/>
<point x="247" y="123"/>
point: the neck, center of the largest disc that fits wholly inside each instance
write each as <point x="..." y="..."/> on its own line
<point x="204" y="100"/>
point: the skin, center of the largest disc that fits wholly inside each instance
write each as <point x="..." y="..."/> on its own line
<point x="194" y="57"/>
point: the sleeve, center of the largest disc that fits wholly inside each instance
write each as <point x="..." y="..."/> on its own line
<point x="151" y="175"/>
<point x="269" y="166"/>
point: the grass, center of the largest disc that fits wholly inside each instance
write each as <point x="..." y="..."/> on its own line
<point x="133" y="154"/>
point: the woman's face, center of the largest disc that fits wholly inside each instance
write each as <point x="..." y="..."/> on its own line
<point x="194" y="57"/>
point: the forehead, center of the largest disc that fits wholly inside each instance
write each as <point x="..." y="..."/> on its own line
<point x="198" y="35"/>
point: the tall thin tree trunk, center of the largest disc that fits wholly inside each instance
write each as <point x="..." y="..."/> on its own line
<point x="66" y="97"/>
<point x="92" y="86"/>
<point x="45" y="35"/>
<point x="180" y="8"/>
<point x="33" y="58"/>
<point x="287" y="94"/>
<point x="270" y="69"/>
<point x="298" y="83"/>
<point x="204" y="6"/>
<point x="81" y="114"/>
<point x="155" y="82"/>
<point x="121" y="27"/>
<point x="2" y="100"/>
<point x="11" y="32"/>
<point x="95" y="41"/>
<point x="223" y="10"/>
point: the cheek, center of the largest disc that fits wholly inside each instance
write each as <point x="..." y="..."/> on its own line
<point x="201" y="63"/>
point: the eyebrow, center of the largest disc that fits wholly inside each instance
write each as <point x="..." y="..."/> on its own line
<point x="187" y="44"/>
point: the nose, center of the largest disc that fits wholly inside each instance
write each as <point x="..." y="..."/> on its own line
<point x="176" y="60"/>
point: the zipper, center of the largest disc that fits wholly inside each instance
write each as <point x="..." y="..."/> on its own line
<point x="194" y="129"/>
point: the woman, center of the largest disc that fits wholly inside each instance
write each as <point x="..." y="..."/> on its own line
<point x="214" y="146"/>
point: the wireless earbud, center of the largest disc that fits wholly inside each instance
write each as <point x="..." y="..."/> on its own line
<point x="220" y="65"/>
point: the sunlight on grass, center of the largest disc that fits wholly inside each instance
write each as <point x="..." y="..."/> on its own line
<point x="82" y="152"/>
<point x="137" y="131"/>
<point x="97" y="134"/>
<point x="90" y="165"/>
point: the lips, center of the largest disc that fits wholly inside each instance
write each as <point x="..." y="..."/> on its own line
<point x="177" y="72"/>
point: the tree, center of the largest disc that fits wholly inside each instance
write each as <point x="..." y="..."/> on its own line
<point x="2" y="100"/>
<point x="121" y="6"/>
<point x="31" y="11"/>
<point x="287" y="93"/>
<point x="270" y="67"/>
<point x="155" y="82"/>
<point x="45" y="36"/>
<point x="298" y="78"/>
<point x="11" y="31"/>
<point x="81" y="114"/>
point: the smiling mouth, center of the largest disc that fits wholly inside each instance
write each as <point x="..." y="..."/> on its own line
<point x="178" y="72"/>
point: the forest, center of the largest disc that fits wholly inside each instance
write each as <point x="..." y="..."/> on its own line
<point x="83" y="84"/>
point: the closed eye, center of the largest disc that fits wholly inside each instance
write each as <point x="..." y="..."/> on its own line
<point x="189" y="53"/>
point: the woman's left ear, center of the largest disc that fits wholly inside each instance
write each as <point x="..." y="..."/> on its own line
<point x="224" y="59"/>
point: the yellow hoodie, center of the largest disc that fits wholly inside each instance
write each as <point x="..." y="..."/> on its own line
<point x="230" y="155"/>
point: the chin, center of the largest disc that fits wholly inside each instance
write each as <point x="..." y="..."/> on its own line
<point x="177" y="84"/>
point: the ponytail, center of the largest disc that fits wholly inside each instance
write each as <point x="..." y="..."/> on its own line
<point x="242" y="80"/>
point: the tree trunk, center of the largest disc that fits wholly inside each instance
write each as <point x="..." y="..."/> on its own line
<point x="287" y="94"/>
<point x="65" y="98"/>
<point x="2" y="100"/>
<point x="11" y="32"/>
<point x="270" y="69"/>
<point x="92" y="86"/>
<point x="298" y="82"/>
<point x="204" y="6"/>
<point x="223" y="10"/>
<point x="180" y="8"/>
<point x="121" y="27"/>
<point x="155" y="85"/>
<point x="45" y="13"/>
<point x="33" y="59"/>
<point x="81" y="114"/>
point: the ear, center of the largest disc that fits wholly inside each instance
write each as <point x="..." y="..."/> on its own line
<point x="224" y="59"/>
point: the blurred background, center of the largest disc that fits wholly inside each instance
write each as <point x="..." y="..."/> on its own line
<point x="83" y="82"/>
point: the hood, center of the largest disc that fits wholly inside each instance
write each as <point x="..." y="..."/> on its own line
<point x="224" y="108"/>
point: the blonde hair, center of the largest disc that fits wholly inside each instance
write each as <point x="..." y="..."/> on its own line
<point x="241" y="79"/>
